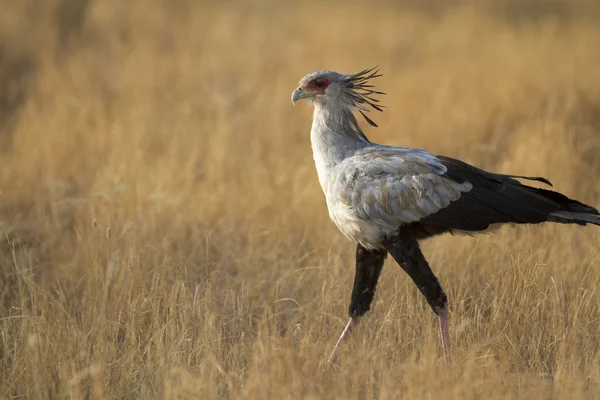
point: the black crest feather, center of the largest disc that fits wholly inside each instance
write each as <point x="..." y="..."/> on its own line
<point x="361" y="91"/>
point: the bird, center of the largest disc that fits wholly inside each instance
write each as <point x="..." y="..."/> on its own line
<point x="387" y="199"/>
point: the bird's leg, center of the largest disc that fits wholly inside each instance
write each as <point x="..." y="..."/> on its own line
<point x="368" y="268"/>
<point x="403" y="246"/>
<point x="444" y="333"/>
<point x="345" y="335"/>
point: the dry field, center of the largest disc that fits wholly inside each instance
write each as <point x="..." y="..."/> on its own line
<point x="163" y="234"/>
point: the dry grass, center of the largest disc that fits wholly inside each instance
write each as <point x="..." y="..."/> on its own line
<point x="164" y="234"/>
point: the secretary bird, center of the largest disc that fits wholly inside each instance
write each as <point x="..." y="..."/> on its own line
<point x="387" y="198"/>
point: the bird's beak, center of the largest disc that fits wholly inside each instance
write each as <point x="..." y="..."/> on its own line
<point x="300" y="94"/>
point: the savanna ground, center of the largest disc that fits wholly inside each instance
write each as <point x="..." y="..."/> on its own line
<point x="164" y="234"/>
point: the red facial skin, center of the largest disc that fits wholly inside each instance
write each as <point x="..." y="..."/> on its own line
<point x="318" y="85"/>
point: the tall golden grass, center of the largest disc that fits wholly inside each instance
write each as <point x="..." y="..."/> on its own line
<point x="164" y="234"/>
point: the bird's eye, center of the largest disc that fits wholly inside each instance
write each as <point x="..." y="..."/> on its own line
<point x="320" y="84"/>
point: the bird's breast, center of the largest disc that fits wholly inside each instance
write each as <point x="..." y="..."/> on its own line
<point x="358" y="230"/>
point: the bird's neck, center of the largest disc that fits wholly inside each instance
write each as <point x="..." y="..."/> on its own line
<point x="335" y="135"/>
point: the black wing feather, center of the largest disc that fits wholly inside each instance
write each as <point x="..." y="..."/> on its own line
<point x="497" y="198"/>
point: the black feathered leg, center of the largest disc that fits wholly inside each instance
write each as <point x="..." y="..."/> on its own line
<point x="405" y="249"/>
<point x="368" y="268"/>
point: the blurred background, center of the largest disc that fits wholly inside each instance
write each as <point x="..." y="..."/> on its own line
<point x="164" y="234"/>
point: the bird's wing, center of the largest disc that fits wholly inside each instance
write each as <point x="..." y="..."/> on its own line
<point x="395" y="186"/>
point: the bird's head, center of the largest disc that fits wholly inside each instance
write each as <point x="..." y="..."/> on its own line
<point x="333" y="89"/>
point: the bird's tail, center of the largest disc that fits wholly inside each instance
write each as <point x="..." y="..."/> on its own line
<point x="570" y="217"/>
<point x="570" y="211"/>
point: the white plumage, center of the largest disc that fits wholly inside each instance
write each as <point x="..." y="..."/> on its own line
<point x="385" y="188"/>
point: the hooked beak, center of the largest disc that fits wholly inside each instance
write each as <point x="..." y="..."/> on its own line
<point x="300" y="94"/>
